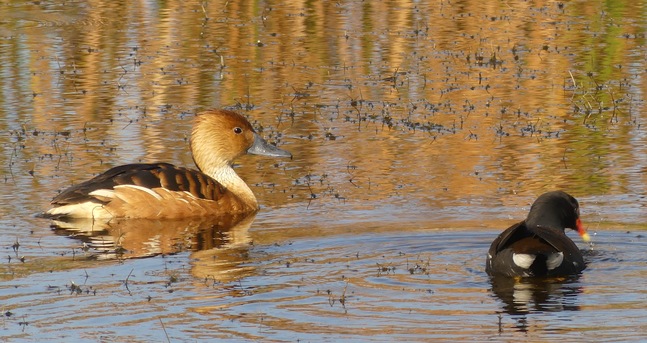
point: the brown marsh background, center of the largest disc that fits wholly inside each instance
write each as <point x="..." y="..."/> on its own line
<point x="419" y="129"/>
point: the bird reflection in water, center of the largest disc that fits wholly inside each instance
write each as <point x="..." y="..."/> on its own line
<point x="523" y="296"/>
<point x="218" y="245"/>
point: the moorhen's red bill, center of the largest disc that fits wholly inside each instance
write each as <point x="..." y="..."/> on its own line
<point x="538" y="246"/>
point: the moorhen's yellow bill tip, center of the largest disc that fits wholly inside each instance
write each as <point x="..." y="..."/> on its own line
<point x="582" y="231"/>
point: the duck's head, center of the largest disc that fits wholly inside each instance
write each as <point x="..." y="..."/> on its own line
<point x="557" y="209"/>
<point x="221" y="136"/>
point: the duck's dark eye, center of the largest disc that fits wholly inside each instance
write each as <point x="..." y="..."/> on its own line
<point x="238" y="130"/>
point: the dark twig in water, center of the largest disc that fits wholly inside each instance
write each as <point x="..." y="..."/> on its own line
<point x="564" y="160"/>
<point x="10" y="164"/>
<point x="350" y="167"/>
<point x="23" y="323"/>
<point x="312" y="194"/>
<point x="126" y="282"/>
<point x="16" y="246"/>
<point x="168" y="339"/>
<point x="614" y="114"/>
<point x="342" y="299"/>
<point x="500" y="325"/>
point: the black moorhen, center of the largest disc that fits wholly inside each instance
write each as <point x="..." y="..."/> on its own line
<point x="538" y="246"/>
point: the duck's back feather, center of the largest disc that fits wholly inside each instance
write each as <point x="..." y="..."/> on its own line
<point x="149" y="190"/>
<point x="147" y="175"/>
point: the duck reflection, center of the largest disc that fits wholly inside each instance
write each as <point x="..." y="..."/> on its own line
<point x="219" y="245"/>
<point x="525" y="295"/>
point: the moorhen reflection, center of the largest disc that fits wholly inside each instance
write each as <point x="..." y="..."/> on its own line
<point x="525" y="295"/>
<point x="538" y="246"/>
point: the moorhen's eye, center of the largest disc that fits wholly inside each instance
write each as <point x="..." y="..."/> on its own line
<point x="238" y="130"/>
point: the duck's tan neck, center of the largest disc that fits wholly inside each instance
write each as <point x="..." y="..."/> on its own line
<point x="230" y="180"/>
<point x="208" y="156"/>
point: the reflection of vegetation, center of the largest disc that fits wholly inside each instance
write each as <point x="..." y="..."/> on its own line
<point x="602" y="87"/>
<point x="519" y="91"/>
<point x="595" y="101"/>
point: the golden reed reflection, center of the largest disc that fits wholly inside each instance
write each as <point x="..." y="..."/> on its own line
<point x="415" y="98"/>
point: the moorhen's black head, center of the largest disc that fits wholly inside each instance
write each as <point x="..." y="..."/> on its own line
<point x="557" y="210"/>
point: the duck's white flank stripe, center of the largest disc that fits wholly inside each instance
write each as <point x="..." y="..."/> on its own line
<point x="523" y="260"/>
<point x="103" y="194"/>
<point x="143" y="189"/>
<point x="86" y="209"/>
<point x="554" y="260"/>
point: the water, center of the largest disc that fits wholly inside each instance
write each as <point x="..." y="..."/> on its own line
<point x="419" y="131"/>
